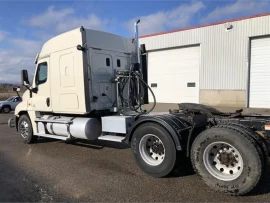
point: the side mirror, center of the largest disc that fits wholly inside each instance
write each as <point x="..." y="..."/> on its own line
<point x="25" y="80"/>
<point x="35" y="90"/>
<point x="16" y="89"/>
<point x="80" y="48"/>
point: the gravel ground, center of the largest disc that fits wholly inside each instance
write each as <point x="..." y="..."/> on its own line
<point x="53" y="170"/>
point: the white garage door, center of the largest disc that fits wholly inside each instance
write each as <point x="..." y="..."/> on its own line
<point x="259" y="95"/>
<point x="174" y="75"/>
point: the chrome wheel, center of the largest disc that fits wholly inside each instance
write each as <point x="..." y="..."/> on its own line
<point x="223" y="161"/>
<point x="24" y="129"/>
<point x="152" y="150"/>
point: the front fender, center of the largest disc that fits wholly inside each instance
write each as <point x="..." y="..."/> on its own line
<point x="173" y="124"/>
<point x="20" y="107"/>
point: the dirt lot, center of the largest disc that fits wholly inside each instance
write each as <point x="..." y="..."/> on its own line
<point x="4" y="96"/>
<point x="53" y="170"/>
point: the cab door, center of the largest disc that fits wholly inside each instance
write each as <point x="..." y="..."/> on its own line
<point x="41" y="96"/>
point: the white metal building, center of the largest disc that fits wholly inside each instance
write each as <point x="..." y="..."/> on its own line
<point x="222" y="64"/>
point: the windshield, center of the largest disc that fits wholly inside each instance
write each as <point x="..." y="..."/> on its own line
<point x="10" y="99"/>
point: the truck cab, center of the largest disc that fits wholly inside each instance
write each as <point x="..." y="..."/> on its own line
<point x="75" y="72"/>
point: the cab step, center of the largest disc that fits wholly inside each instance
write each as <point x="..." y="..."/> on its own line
<point x="52" y="136"/>
<point x="113" y="138"/>
<point x="53" y="121"/>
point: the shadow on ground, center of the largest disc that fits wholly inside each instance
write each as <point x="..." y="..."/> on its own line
<point x="96" y="144"/>
<point x="183" y="168"/>
<point x="15" y="187"/>
<point x="264" y="185"/>
<point x="99" y="144"/>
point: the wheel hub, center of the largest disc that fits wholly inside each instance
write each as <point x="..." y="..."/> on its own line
<point x="227" y="158"/>
<point x="24" y="129"/>
<point x="158" y="148"/>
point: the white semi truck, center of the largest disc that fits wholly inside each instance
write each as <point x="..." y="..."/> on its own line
<point x="92" y="85"/>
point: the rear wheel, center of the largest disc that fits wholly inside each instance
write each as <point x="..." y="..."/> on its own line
<point x="6" y="109"/>
<point x="25" y="130"/>
<point x="223" y="161"/>
<point x="154" y="150"/>
<point x="227" y="160"/>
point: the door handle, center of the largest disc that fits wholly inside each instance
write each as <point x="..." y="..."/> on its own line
<point x="48" y="102"/>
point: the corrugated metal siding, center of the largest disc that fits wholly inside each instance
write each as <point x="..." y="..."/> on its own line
<point x="224" y="54"/>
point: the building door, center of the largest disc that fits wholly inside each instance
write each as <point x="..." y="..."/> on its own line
<point x="259" y="89"/>
<point x="174" y="75"/>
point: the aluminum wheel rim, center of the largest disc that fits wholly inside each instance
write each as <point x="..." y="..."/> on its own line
<point x="223" y="161"/>
<point x="24" y="129"/>
<point x="152" y="149"/>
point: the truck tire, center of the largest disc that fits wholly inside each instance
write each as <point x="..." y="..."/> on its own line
<point x="154" y="150"/>
<point x="6" y="109"/>
<point x="227" y="160"/>
<point x="258" y="138"/>
<point x="25" y="130"/>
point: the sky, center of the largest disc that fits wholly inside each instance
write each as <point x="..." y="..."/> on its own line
<point x="26" y="24"/>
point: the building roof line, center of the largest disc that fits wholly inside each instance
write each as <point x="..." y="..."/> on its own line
<point x="206" y="25"/>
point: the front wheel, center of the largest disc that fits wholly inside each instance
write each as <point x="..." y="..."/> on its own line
<point x="25" y="130"/>
<point x="154" y="150"/>
<point x="6" y="109"/>
<point x="227" y="160"/>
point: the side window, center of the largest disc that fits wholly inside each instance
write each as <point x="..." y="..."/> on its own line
<point x="42" y="72"/>
<point x="17" y="99"/>
<point x="118" y="63"/>
<point x="108" y="63"/>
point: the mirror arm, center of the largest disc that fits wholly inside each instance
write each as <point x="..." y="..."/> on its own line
<point x="30" y="90"/>
<point x="18" y="94"/>
<point x="27" y="87"/>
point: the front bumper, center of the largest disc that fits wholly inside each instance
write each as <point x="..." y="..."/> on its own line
<point x="11" y="122"/>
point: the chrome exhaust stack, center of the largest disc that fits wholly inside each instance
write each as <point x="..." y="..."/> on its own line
<point x="136" y="37"/>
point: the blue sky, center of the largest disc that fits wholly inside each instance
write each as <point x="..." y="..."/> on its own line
<point x="25" y="25"/>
